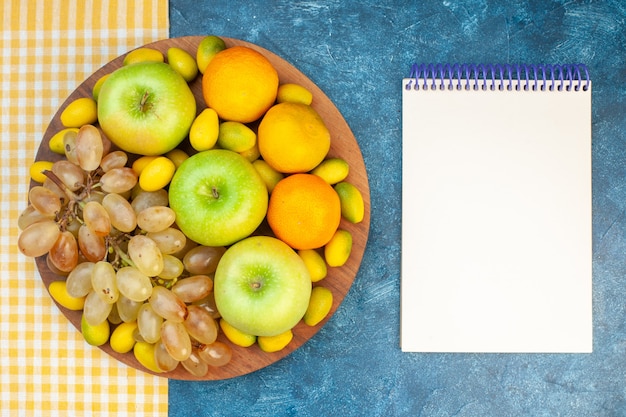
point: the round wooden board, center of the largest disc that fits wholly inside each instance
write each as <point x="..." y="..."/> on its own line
<point x="344" y="144"/>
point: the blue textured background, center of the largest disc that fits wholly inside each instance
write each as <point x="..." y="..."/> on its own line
<point x="357" y="52"/>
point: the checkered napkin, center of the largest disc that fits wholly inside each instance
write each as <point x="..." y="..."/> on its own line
<point x="48" y="48"/>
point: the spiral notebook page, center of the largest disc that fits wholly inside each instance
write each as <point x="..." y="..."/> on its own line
<point x="496" y="232"/>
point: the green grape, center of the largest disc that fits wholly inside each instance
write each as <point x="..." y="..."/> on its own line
<point x="69" y="145"/>
<point x="208" y="303"/>
<point x="146" y="255"/>
<point x="37" y="239"/>
<point x="118" y="180"/>
<point x="90" y="244"/>
<point x="30" y="215"/>
<point x="103" y="281"/>
<point x="52" y="186"/>
<point x="149" y="323"/>
<point x="97" y="218"/>
<point x="115" y="159"/>
<point x="200" y="325"/>
<point x="176" y="340"/>
<point x="190" y="244"/>
<point x="70" y="174"/>
<point x="94" y="195"/>
<point x="203" y="260"/>
<point x="194" y="365"/>
<point x="96" y="310"/>
<point x="155" y="218"/>
<point x="193" y="288"/>
<point x="64" y="253"/>
<point x="78" y="282"/>
<point x="89" y="147"/>
<point x="172" y="267"/>
<point x="53" y="267"/>
<point x="167" y="305"/>
<point x="44" y="200"/>
<point x="137" y="337"/>
<point x="163" y="359"/>
<point x="133" y="284"/>
<point x="121" y="213"/>
<point x="145" y="199"/>
<point x="114" y="316"/>
<point x="72" y="226"/>
<point x="215" y="354"/>
<point x="127" y="308"/>
<point x="169" y="241"/>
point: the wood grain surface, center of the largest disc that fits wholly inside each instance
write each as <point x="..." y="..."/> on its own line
<point x="343" y="144"/>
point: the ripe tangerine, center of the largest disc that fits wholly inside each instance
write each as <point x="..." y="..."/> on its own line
<point x="240" y="84"/>
<point x="304" y="211"/>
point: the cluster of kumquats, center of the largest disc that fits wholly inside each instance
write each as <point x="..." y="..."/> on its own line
<point x="101" y="218"/>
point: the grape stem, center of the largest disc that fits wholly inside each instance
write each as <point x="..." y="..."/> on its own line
<point x="57" y="181"/>
<point x="68" y="216"/>
<point x="119" y="253"/>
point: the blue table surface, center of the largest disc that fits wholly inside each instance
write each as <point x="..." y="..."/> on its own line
<point x="357" y="52"/>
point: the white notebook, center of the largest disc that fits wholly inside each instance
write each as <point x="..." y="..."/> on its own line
<point x="496" y="209"/>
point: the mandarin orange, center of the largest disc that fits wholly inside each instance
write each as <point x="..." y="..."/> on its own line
<point x="240" y="84"/>
<point x="304" y="211"/>
<point x="293" y="138"/>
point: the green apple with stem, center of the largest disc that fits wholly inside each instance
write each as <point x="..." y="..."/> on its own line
<point x="261" y="286"/>
<point x="218" y="197"/>
<point x="146" y="108"/>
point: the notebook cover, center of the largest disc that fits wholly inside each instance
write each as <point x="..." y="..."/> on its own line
<point x="496" y="223"/>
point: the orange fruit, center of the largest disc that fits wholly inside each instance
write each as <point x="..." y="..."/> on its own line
<point x="304" y="211"/>
<point x="240" y="84"/>
<point x="293" y="138"/>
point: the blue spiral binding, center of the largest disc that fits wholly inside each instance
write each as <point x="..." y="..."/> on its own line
<point x="499" y="77"/>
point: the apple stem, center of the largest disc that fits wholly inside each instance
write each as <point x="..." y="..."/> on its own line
<point x="143" y="101"/>
<point x="216" y="194"/>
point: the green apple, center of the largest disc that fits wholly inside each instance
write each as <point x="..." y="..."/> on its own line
<point x="218" y="197"/>
<point x="261" y="286"/>
<point x="146" y="108"/>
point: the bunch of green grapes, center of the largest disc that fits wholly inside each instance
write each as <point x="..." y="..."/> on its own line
<point x="119" y="249"/>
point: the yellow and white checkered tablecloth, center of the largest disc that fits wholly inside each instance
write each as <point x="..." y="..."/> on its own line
<point x="48" y="48"/>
